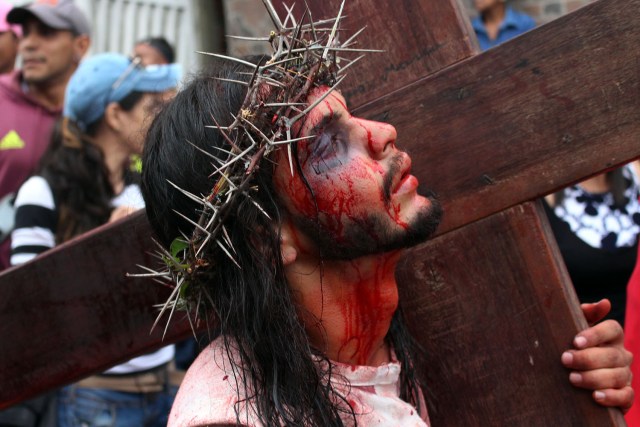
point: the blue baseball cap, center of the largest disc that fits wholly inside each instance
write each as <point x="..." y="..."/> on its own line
<point x="109" y="77"/>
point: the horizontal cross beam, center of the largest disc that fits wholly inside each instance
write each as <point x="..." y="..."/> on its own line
<point x="533" y="115"/>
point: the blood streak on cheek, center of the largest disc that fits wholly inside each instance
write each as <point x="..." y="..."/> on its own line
<point x="340" y="200"/>
<point x="377" y="167"/>
<point x="324" y="203"/>
<point x="299" y="195"/>
<point x="370" y="141"/>
<point x="394" y="211"/>
<point x="337" y="199"/>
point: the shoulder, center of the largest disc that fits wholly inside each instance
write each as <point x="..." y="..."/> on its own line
<point x="10" y="86"/>
<point x="35" y="191"/>
<point x="131" y="196"/>
<point x="477" y="24"/>
<point x="632" y="171"/>
<point x="523" y="20"/>
<point x="6" y="80"/>
<point x="209" y="392"/>
<point x="35" y="221"/>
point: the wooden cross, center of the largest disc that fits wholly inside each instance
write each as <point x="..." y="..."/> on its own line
<point x="488" y="298"/>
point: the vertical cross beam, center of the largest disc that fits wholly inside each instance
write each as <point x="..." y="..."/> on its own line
<point x="491" y="302"/>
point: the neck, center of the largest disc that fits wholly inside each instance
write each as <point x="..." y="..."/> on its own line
<point x="8" y="67"/>
<point x="49" y="94"/>
<point x="347" y="306"/>
<point x="597" y="184"/>
<point x="494" y="15"/>
<point x="115" y="157"/>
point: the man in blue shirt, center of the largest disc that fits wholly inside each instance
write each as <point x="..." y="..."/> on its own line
<point x="496" y="23"/>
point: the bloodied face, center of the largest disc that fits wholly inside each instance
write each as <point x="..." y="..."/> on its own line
<point x="353" y="193"/>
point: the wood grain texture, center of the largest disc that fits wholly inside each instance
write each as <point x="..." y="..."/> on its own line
<point x="73" y="312"/>
<point x="488" y="305"/>
<point x="541" y="111"/>
<point x="419" y="37"/>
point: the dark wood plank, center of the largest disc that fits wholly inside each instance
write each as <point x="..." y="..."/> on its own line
<point x="519" y="121"/>
<point x="418" y="37"/>
<point x="72" y="312"/>
<point x="488" y="306"/>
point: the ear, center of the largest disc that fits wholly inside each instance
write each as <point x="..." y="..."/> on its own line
<point x="288" y="249"/>
<point x="80" y="47"/>
<point x="113" y="116"/>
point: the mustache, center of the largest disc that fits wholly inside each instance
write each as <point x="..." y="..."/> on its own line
<point x="394" y="169"/>
<point x="32" y="58"/>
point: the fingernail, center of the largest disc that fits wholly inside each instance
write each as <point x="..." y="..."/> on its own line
<point x="599" y="395"/>
<point x="575" y="378"/>
<point x="567" y="358"/>
<point x="580" y="341"/>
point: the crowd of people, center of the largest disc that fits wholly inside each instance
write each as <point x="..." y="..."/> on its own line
<point x="71" y="130"/>
<point x="70" y="127"/>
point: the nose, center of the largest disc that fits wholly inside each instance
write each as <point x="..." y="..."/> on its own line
<point x="31" y="35"/>
<point x="29" y="41"/>
<point x="381" y="138"/>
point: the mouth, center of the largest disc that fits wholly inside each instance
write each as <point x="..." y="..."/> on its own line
<point x="27" y="62"/>
<point x="405" y="174"/>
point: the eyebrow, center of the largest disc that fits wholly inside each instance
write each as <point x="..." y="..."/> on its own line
<point x="325" y="121"/>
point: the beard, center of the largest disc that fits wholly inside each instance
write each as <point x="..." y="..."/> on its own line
<point x="373" y="234"/>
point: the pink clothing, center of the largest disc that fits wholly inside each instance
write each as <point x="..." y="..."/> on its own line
<point x="25" y="131"/>
<point x="208" y="394"/>
<point x="632" y="339"/>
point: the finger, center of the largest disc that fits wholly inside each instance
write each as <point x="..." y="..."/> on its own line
<point x="595" y="312"/>
<point x="597" y="358"/>
<point x="608" y="331"/>
<point x="621" y="398"/>
<point x="601" y="379"/>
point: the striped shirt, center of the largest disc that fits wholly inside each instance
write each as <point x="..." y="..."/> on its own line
<point x="37" y="217"/>
<point x="34" y="233"/>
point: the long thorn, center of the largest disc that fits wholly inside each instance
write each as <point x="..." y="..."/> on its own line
<point x="257" y="39"/>
<point x="333" y="32"/>
<point x="274" y="16"/>
<point x="316" y="102"/>
<point x="230" y="58"/>
<point x="353" y="37"/>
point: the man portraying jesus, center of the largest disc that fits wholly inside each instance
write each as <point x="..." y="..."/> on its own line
<point x="293" y="247"/>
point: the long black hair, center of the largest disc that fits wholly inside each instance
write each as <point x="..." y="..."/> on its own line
<point x="276" y="374"/>
<point x="75" y="170"/>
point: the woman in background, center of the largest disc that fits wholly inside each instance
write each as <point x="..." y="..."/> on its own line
<point x="596" y="224"/>
<point x="82" y="184"/>
<point x="632" y="338"/>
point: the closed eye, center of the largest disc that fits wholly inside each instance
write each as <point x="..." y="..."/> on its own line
<point x="326" y="120"/>
<point x="327" y="152"/>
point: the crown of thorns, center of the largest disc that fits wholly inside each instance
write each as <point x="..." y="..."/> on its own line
<point x="305" y="54"/>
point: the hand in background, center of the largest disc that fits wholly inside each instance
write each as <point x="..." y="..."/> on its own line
<point x="121" y="212"/>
